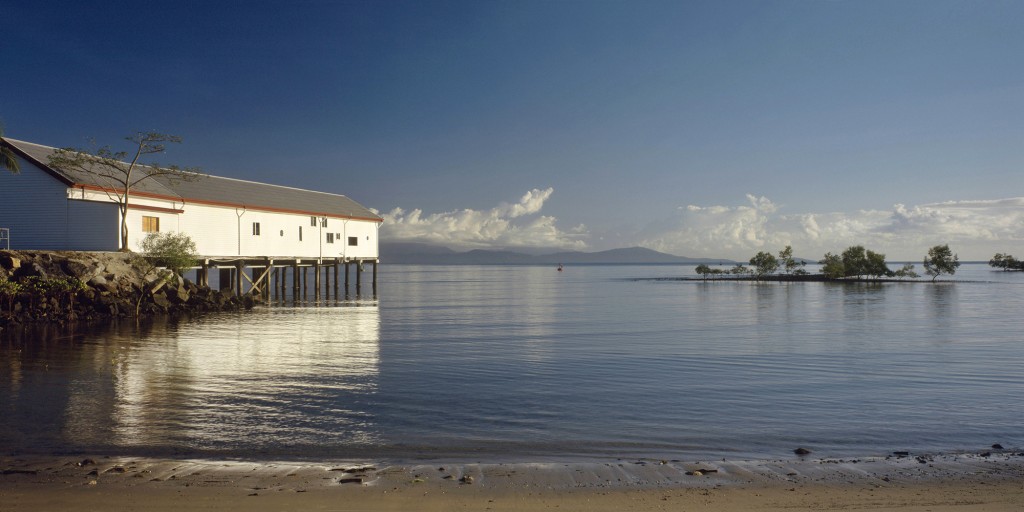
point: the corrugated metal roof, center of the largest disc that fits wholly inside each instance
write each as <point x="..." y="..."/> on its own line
<point x="215" y="190"/>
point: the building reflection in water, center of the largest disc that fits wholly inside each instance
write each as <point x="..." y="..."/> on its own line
<point x="285" y="382"/>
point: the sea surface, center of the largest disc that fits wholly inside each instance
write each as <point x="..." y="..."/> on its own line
<point x="521" y="363"/>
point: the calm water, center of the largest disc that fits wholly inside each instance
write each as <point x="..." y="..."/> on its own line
<point x="524" y="363"/>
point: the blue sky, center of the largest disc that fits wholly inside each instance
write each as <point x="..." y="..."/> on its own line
<point x="698" y="128"/>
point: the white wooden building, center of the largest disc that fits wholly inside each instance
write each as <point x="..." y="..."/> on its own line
<point x="55" y="209"/>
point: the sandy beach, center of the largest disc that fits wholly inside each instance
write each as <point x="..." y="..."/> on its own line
<point x="990" y="482"/>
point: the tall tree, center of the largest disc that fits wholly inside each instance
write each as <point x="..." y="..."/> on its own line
<point x="786" y="260"/>
<point x="855" y="261"/>
<point x="8" y="160"/>
<point x="940" y="260"/>
<point x="832" y="266"/>
<point x="703" y="270"/>
<point x="764" y="264"/>
<point x="118" y="175"/>
<point x="1006" y="262"/>
<point x="876" y="266"/>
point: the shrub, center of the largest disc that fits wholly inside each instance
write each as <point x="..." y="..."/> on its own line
<point x="176" y="251"/>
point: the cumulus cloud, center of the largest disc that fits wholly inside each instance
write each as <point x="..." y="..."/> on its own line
<point x="506" y="225"/>
<point x="974" y="229"/>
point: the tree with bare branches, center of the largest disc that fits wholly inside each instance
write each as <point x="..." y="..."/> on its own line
<point x="117" y="175"/>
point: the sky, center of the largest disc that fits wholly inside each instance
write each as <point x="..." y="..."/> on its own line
<point x="698" y="128"/>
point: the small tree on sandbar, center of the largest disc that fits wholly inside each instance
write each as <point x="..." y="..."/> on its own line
<point x="764" y="264"/>
<point x="940" y="260"/>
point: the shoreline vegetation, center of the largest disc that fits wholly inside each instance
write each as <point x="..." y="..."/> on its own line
<point x="855" y="264"/>
<point x="70" y="286"/>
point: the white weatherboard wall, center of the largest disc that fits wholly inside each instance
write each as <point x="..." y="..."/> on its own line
<point x="225" y="231"/>
<point x="43" y="213"/>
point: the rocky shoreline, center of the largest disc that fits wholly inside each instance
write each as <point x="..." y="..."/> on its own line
<point x="70" y="286"/>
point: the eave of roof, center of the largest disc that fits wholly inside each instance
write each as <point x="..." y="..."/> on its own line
<point x="215" y="190"/>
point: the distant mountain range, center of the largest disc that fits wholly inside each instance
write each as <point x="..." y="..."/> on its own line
<point x="426" y="254"/>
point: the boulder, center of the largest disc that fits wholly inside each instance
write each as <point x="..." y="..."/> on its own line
<point x="161" y="300"/>
<point x="9" y="261"/>
<point x="83" y="270"/>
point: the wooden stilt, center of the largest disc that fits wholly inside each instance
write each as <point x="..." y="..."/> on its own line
<point x="346" y="278"/>
<point x="224" y="278"/>
<point x="316" y="280"/>
<point x="203" y="278"/>
<point x="336" y="269"/>
<point x="305" y="282"/>
<point x="239" y="268"/>
<point x="375" y="264"/>
<point x="359" y="277"/>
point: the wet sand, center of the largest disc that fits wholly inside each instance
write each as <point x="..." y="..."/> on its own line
<point x="952" y="482"/>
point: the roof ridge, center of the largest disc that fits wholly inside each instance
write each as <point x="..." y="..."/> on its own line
<point x="276" y="185"/>
<point x="199" y="173"/>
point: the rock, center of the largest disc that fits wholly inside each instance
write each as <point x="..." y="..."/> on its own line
<point x="77" y="268"/>
<point x="87" y="462"/>
<point x="997" y="446"/>
<point x="161" y="300"/>
<point x="802" y="451"/>
<point x="358" y="479"/>
<point x="901" y="454"/>
<point x="466" y="479"/>
<point x="38" y="270"/>
<point x="9" y="262"/>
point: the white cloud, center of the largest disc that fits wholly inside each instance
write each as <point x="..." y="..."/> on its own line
<point x="506" y="225"/>
<point x="974" y="229"/>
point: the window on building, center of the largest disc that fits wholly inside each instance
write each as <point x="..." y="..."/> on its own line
<point x="255" y="229"/>
<point x="150" y="224"/>
<point x="300" y="233"/>
<point x="353" y="240"/>
<point x="323" y="222"/>
<point x="312" y="220"/>
<point x="330" y="238"/>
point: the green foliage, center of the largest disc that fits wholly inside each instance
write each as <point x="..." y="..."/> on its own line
<point x="739" y="270"/>
<point x="832" y="266"/>
<point x="8" y="291"/>
<point x="176" y="251"/>
<point x="940" y="260"/>
<point x="906" y="271"/>
<point x="855" y="261"/>
<point x="876" y="266"/>
<point x="703" y="270"/>
<point x="8" y="160"/>
<point x="39" y="290"/>
<point x="1006" y="262"/>
<point x="791" y="265"/>
<point x="764" y="264"/>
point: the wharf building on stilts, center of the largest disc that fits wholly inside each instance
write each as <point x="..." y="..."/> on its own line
<point x="259" y="237"/>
